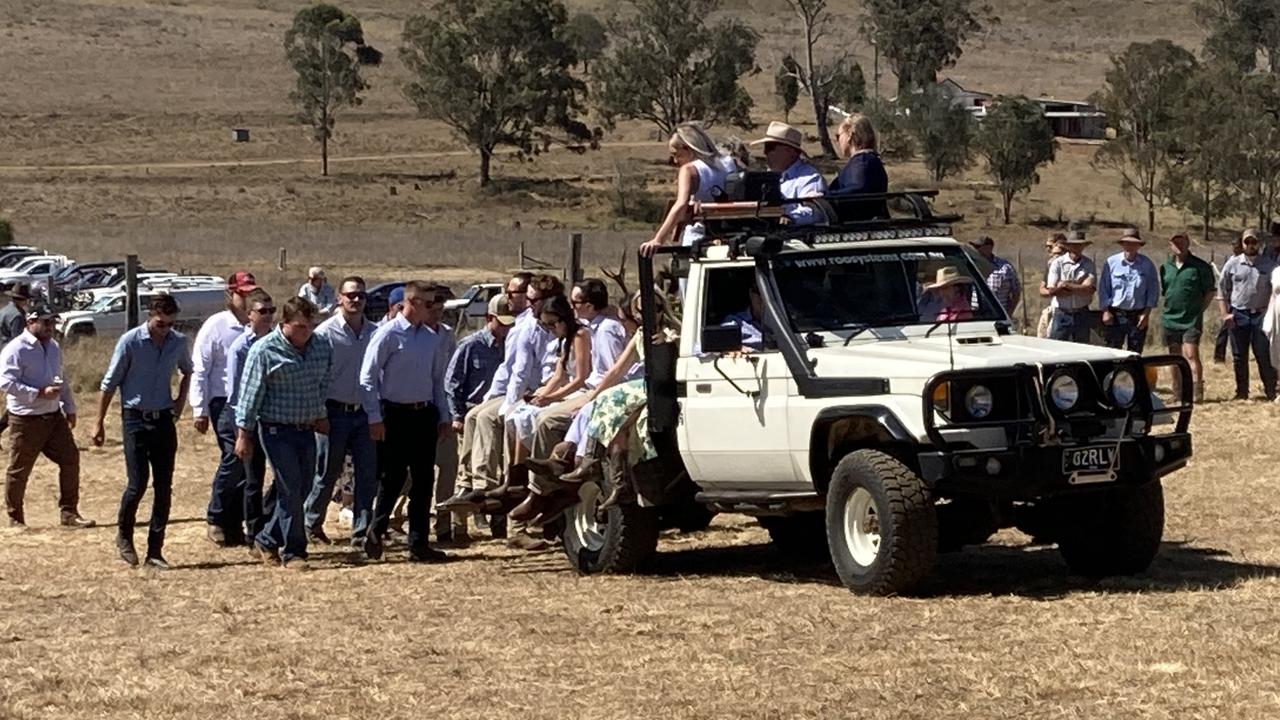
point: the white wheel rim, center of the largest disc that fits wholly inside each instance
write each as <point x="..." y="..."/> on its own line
<point x="861" y="527"/>
<point x="589" y="532"/>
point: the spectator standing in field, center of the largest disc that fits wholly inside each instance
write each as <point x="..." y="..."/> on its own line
<point x="1003" y="278"/>
<point x="1188" y="287"/>
<point x="42" y="413"/>
<point x="348" y="333"/>
<point x="13" y="320"/>
<point x="258" y="506"/>
<point x="1243" y="294"/>
<point x="209" y="394"/>
<point x="318" y="291"/>
<point x="784" y="154"/>
<point x="286" y="376"/>
<point x="141" y="368"/>
<point x="1128" y="291"/>
<point x="1071" y="282"/>
<point x="1223" y="338"/>
<point x="402" y="379"/>
<point x="1052" y="248"/>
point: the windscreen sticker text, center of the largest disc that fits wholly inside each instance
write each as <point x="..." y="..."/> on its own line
<point x="861" y="259"/>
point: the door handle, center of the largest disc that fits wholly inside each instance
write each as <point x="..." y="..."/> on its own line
<point x="702" y="388"/>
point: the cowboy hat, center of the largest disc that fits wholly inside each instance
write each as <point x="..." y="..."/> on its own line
<point x="1131" y="235"/>
<point x="1075" y="237"/>
<point x="947" y="276"/>
<point x="780" y="132"/>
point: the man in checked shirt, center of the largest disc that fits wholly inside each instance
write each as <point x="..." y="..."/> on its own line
<point x="286" y="379"/>
<point x="1003" y="279"/>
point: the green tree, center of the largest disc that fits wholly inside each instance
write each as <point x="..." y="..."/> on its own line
<point x="919" y="38"/>
<point x="1015" y="139"/>
<point x="1206" y="160"/>
<point x="668" y="66"/>
<point x="497" y="72"/>
<point x="1143" y="87"/>
<point x="1254" y="125"/>
<point x="892" y="132"/>
<point x="1238" y="30"/>
<point x="326" y="48"/>
<point x="786" y="87"/>
<point x="837" y="82"/>
<point x="943" y="132"/>
<point x="588" y="37"/>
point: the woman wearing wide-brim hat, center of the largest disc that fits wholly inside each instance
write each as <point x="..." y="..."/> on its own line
<point x="953" y="289"/>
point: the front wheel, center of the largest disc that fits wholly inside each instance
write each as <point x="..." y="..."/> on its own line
<point x="882" y="526"/>
<point x="1115" y="532"/>
<point x="623" y="543"/>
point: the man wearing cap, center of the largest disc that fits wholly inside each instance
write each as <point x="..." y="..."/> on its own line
<point x="42" y="413"/>
<point x="142" y="366"/>
<point x="347" y="333"/>
<point x="395" y="303"/>
<point x="783" y="152"/>
<point x="1188" y="286"/>
<point x="208" y="401"/>
<point x="317" y="290"/>
<point x="1243" y="294"/>
<point x="1072" y="280"/>
<point x="1003" y="278"/>
<point x="1128" y="291"/>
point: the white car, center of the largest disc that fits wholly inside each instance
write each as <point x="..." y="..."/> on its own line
<point x="106" y="316"/>
<point x="33" y="269"/>
<point x="469" y="310"/>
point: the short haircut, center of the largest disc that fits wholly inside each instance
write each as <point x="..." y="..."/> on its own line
<point x="548" y="285"/>
<point x="258" y="295"/>
<point x="163" y="305"/>
<point x="861" y="132"/>
<point x="594" y="291"/>
<point x="419" y="288"/>
<point x="351" y="278"/>
<point x="298" y="308"/>
<point x="524" y="277"/>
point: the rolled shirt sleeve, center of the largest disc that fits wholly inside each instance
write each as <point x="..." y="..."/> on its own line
<point x="118" y="366"/>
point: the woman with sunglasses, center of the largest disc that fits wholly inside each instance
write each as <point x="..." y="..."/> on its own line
<point x="701" y="177"/>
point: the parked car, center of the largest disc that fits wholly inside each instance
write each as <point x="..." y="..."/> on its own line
<point x="375" y="307"/>
<point x="106" y="316"/>
<point x="10" y="255"/>
<point x="85" y="298"/>
<point x="36" y="269"/>
<point x="468" y="311"/>
<point x="77" y="277"/>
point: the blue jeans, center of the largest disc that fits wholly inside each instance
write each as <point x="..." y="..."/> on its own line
<point x="1123" y="332"/>
<point x="1069" y="326"/>
<point x="256" y="507"/>
<point x="348" y="431"/>
<point x="226" y="501"/>
<point x="149" y="448"/>
<point x="291" y="449"/>
<point x="1246" y="334"/>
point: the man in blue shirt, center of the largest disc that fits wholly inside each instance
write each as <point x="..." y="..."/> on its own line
<point x="784" y="154"/>
<point x="468" y="378"/>
<point x="257" y="506"/>
<point x="348" y="333"/>
<point x="141" y="367"/>
<point x="1128" y="290"/>
<point x="402" y="381"/>
<point x="285" y="377"/>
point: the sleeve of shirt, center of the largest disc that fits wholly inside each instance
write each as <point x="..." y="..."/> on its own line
<point x="16" y="325"/>
<point x="1207" y="282"/>
<point x="525" y="354"/>
<point x="201" y="360"/>
<point x="441" y="399"/>
<point x="1150" y="285"/>
<point x="1224" y="284"/>
<point x="233" y="365"/>
<point x="1104" y="287"/>
<point x="11" y="375"/>
<point x="455" y="380"/>
<point x="253" y="389"/>
<point x="118" y="366"/>
<point x="184" y="359"/>
<point x="1055" y="274"/>
<point x="615" y="341"/>
<point x="375" y="355"/>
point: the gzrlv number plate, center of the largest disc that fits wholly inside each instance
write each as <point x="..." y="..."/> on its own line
<point x="1095" y="459"/>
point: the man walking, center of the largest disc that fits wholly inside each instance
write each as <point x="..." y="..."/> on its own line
<point x="1003" y="278"/>
<point x="1243" y="294"/>
<point x="286" y="376"/>
<point x="402" y="377"/>
<point x="141" y="367"/>
<point x="13" y="320"/>
<point x="1129" y="290"/>
<point x="1072" y="280"/>
<point x="208" y="402"/>
<point x="257" y="506"/>
<point x="318" y="291"/>
<point x="347" y="333"/>
<point x="42" y="413"/>
<point x="1188" y="287"/>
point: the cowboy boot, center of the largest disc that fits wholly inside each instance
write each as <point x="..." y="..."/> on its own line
<point x="588" y="468"/>
<point x="556" y="464"/>
<point x="622" y="491"/>
<point x="517" y="477"/>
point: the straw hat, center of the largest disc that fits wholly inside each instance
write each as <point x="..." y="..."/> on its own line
<point x="780" y="132"/>
<point x="947" y="276"/>
<point x="1075" y="237"/>
<point x="1131" y="235"/>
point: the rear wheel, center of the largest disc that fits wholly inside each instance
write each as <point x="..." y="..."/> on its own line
<point x="1114" y="532"/>
<point x="882" y="526"/>
<point x="622" y="543"/>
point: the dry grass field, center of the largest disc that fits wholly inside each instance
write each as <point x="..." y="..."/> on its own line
<point x="114" y="138"/>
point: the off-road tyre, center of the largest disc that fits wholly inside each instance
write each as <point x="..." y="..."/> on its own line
<point x="627" y="540"/>
<point x="965" y="521"/>
<point x="1114" y="532"/>
<point x="802" y="536"/>
<point x="887" y="500"/>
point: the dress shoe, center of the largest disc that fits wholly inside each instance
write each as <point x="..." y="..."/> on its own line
<point x="525" y="541"/>
<point x="297" y="564"/>
<point x="426" y="554"/>
<point x="127" y="552"/>
<point x="373" y="545"/>
<point x="318" y="536"/>
<point x="74" y="520"/>
<point x="157" y="562"/>
<point x="216" y="535"/>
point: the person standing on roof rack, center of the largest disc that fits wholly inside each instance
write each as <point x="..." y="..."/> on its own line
<point x="1072" y="280"/>
<point x="784" y="153"/>
<point x="701" y="178"/>
<point x="318" y="291"/>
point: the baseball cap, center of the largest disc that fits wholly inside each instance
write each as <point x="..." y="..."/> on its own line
<point x="241" y="282"/>
<point x="41" y="312"/>
<point x="1249" y="234"/>
<point x="395" y="297"/>
<point x="500" y="308"/>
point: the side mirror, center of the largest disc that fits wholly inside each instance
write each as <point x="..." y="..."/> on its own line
<point x="721" y="339"/>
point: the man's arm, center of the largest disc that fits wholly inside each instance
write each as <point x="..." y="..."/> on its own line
<point x="253" y="390"/>
<point x="375" y="356"/>
<point x="65" y="395"/>
<point x="439" y="396"/>
<point x="201" y="363"/>
<point x="1105" y="292"/>
<point x="525" y="354"/>
<point x="184" y="385"/>
<point x="455" y="381"/>
<point x="116" y="370"/>
<point x="1150" y="286"/>
<point x="11" y="376"/>
<point x="1015" y="287"/>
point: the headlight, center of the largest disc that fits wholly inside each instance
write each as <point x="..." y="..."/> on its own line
<point x="978" y="401"/>
<point x="1122" y="387"/>
<point x="1064" y="392"/>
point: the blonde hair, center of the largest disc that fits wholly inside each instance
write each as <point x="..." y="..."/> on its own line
<point x="860" y="130"/>
<point x="693" y="137"/>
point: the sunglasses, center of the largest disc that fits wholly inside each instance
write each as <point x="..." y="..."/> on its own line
<point x="358" y="295"/>
<point x="265" y="311"/>
<point x="577" y="302"/>
<point x="163" y="324"/>
<point x="514" y="293"/>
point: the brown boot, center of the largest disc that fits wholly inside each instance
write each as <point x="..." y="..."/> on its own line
<point x="621" y="490"/>
<point x="517" y="477"/>
<point x="559" y="462"/>
<point x="1197" y="392"/>
<point x="588" y="470"/>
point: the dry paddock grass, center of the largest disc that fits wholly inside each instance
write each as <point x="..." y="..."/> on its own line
<point x="721" y="627"/>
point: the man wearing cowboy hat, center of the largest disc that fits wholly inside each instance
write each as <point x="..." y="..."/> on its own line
<point x="1072" y="280"/>
<point x="13" y="318"/>
<point x="1128" y="291"/>
<point x="784" y="153"/>
<point x="1243" y="294"/>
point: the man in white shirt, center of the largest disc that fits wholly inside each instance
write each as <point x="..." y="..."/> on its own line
<point x="784" y="153"/>
<point x="318" y="290"/>
<point x="209" y="391"/>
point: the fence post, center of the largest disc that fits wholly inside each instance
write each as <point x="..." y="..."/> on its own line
<point x="131" y="291"/>
<point x="573" y="270"/>
<point x="1022" y="278"/>
<point x="522" y="256"/>
<point x="283" y="260"/>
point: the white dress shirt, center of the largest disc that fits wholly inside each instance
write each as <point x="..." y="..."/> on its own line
<point x="213" y="343"/>
<point x="608" y="340"/>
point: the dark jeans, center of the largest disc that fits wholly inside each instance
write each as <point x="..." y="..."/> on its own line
<point x="347" y="431"/>
<point x="1246" y="333"/>
<point x="409" y="447"/>
<point x="226" y="501"/>
<point x="1072" y="326"/>
<point x="150" y="443"/>
<point x="291" y="449"/>
<point x="1124" y="333"/>
<point x="255" y="509"/>
<point x="1220" y="344"/>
